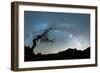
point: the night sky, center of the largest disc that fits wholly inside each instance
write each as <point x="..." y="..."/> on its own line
<point x="73" y="30"/>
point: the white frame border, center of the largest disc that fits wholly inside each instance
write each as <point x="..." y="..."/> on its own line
<point x="34" y="64"/>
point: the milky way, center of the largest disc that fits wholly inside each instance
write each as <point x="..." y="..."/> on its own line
<point x="73" y="30"/>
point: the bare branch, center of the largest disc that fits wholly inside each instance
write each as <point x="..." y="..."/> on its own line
<point x="43" y="38"/>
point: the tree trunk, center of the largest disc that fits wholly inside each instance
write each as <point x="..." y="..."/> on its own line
<point x="34" y="44"/>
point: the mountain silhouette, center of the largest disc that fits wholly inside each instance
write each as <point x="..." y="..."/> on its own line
<point x="70" y="53"/>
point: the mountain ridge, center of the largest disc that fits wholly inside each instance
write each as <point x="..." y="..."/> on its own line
<point x="69" y="53"/>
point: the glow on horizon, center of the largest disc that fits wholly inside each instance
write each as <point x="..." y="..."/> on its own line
<point x="48" y="48"/>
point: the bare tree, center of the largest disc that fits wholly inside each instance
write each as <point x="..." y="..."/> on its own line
<point x="43" y="38"/>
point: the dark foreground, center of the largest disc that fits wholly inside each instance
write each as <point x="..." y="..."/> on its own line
<point x="67" y="54"/>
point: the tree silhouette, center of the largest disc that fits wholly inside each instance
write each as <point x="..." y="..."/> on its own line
<point x="43" y="38"/>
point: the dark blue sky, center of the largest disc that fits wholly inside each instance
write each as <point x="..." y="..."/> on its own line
<point x="73" y="32"/>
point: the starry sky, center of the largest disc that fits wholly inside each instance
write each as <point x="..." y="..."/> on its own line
<point x="73" y="30"/>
